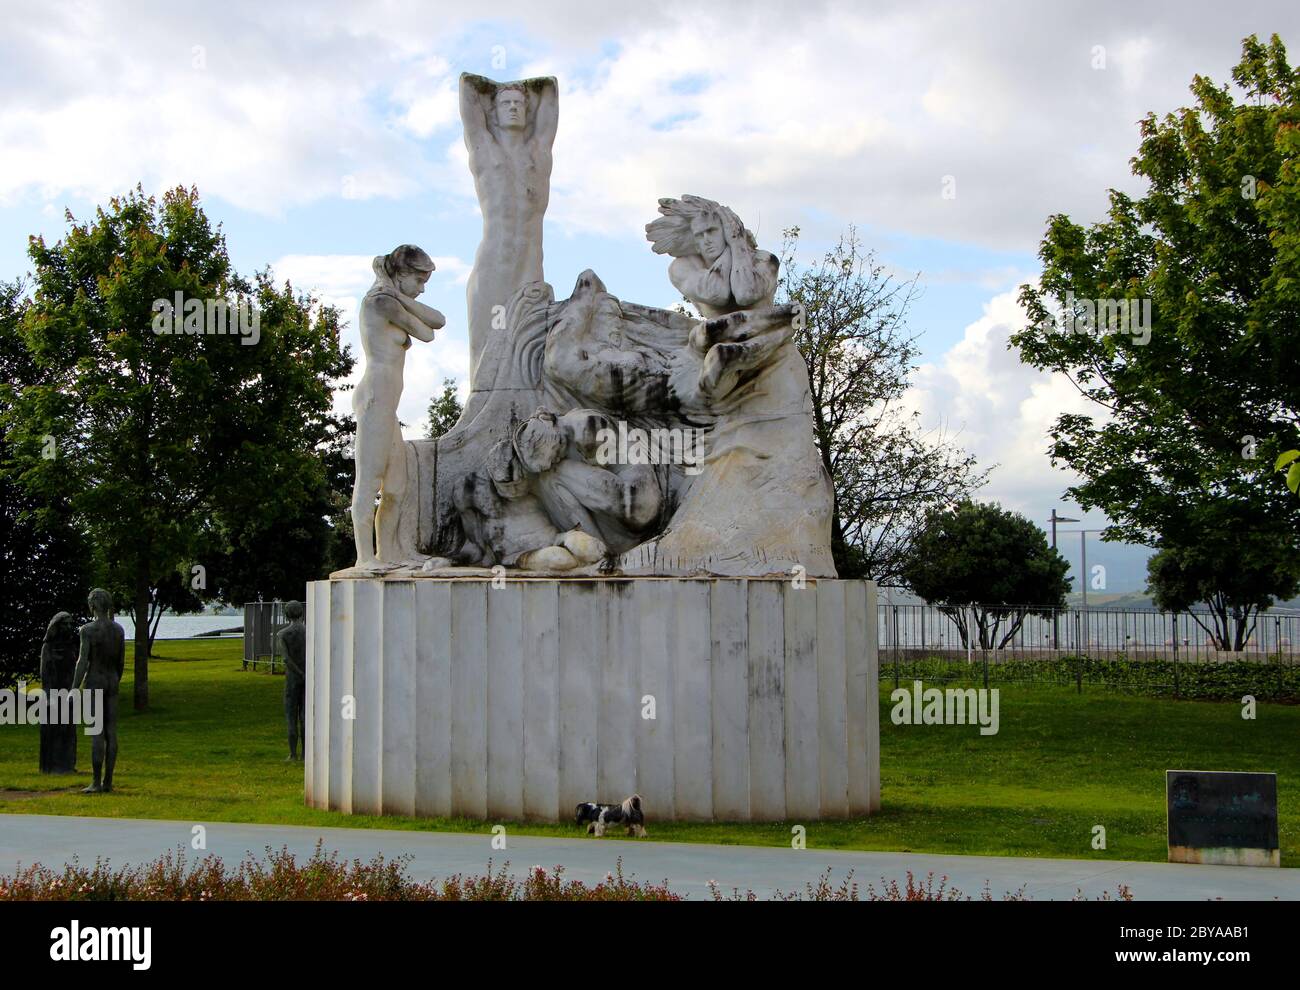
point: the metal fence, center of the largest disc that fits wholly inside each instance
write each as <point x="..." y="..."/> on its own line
<point x="262" y="620"/>
<point x="1134" y="634"/>
<point x="1165" y="651"/>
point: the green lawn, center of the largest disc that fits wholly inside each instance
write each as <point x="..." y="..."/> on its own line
<point x="211" y="749"/>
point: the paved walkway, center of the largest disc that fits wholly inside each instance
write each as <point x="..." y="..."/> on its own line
<point x="54" y="839"/>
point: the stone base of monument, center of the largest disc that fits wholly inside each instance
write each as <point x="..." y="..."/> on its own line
<point x="733" y="700"/>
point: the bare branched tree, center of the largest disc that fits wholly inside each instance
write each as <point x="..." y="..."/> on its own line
<point x="888" y="470"/>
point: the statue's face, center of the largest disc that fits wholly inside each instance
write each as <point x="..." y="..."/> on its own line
<point x="512" y="109"/>
<point x="707" y="230"/>
<point x="541" y="445"/>
<point x="65" y="628"/>
<point x="411" y="284"/>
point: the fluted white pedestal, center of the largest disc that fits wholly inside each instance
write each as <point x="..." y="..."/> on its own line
<point x="440" y="697"/>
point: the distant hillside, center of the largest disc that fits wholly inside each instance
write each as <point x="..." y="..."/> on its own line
<point x="1103" y="599"/>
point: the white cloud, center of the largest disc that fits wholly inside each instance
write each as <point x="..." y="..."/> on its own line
<point x="832" y="113"/>
<point x="1134" y="56"/>
<point x="1000" y="409"/>
<point x="95" y="102"/>
<point x="857" y="113"/>
<point x="841" y="110"/>
<point x="430" y="98"/>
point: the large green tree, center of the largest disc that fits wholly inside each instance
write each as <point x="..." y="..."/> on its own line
<point x="260" y="548"/>
<point x="44" y="560"/>
<point x="1191" y="409"/>
<point x="981" y="555"/>
<point x="888" y="470"/>
<point x="1225" y="574"/>
<point x="167" y="438"/>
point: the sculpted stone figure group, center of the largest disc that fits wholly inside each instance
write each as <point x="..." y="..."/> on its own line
<point x="721" y="475"/>
<point x="89" y="658"/>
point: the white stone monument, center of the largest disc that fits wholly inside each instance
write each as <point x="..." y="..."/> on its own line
<point x="614" y="574"/>
<point x="519" y="702"/>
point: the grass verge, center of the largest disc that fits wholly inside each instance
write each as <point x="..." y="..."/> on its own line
<point x="211" y="748"/>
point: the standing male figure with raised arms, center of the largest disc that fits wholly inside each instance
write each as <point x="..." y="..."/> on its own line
<point x="509" y="130"/>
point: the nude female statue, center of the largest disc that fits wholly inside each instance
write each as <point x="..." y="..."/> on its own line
<point x="389" y="318"/>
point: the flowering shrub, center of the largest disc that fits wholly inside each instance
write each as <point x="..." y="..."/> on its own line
<point x="891" y="891"/>
<point x="324" y="877"/>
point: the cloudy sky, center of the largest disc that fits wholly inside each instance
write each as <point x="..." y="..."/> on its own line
<point x="322" y="134"/>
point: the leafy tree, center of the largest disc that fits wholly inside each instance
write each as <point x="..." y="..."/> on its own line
<point x="1193" y="409"/>
<point x="340" y="470"/>
<point x="887" y="470"/>
<point x="167" y="438"/>
<point x="44" y="560"/>
<point x="983" y="555"/>
<point x="259" y="549"/>
<point x="1230" y="567"/>
<point x="271" y="554"/>
<point x="1288" y="463"/>
<point x="444" y="410"/>
<point x="177" y="593"/>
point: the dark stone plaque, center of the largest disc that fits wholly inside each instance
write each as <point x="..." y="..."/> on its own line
<point x="1222" y="817"/>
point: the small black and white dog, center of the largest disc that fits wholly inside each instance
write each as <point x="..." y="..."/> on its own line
<point x="597" y="816"/>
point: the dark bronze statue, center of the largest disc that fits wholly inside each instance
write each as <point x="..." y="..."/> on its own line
<point x="58" y="663"/>
<point x="293" y="643"/>
<point x="99" y="668"/>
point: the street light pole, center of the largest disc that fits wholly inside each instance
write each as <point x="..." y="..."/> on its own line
<point x="1083" y="577"/>
<point x="1055" y="612"/>
<point x="1083" y="558"/>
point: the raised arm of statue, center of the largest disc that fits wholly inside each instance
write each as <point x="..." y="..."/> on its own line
<point x="753" y="273"/>
<point x="475" y="102"/>
<point x="547" y="114"/>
